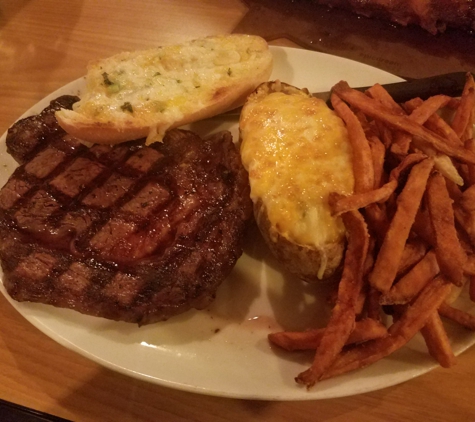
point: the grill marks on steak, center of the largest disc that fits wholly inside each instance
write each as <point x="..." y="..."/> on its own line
<point x="30" y="133"/>
<point x="130" y="232"/>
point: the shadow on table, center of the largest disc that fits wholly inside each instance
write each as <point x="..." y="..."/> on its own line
<point x="409" y="52"/>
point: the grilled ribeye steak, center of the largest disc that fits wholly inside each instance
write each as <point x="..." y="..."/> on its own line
<point x="432" y="15"/>
<point x="128" y="232"/>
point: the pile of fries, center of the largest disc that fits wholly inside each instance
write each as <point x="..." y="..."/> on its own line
<point x="411" y="231"/>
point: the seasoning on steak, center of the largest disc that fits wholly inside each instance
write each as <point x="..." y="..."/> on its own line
<point x="127" y="232"/>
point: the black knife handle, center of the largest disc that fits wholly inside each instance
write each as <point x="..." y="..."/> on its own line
<point x="450" y="84"/>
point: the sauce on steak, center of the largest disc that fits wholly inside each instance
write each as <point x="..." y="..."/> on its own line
<point x="127" y="232"/>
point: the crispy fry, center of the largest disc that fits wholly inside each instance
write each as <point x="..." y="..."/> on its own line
<point x="362" y="158"/>
<point x="437" y="341"/>
<point x="414" y="251"/>
<point x="409" y="323"/>
<point x="378" y="152"/>
<point x="364" y="330"/>
<point x="378" y="92"/>
<point x="373" y="308"/>
<point x="465" y="213"/>
<point x="454" y="191"/>
<point x="377" y="111"/>
<point x="390" y="255"/>
<point x="340" y="204"/>
<point x="463" y="113"/>
<point x="436" y="123"/>
<point x="422" y="226"/>
<point x="407" y="163"/>
<point x="386" y="136"/>
<point x="413" y="282"/>
<point x="440" y="126"/>
<point x="471" y="288"/>
<point x="460" y="317"/>
<point x="469" y="267"/>
<point x="342" y="319"/>
<point x="470" y="145"/>
<point x="421" y="253"/>
<point x="420" y="111"/>
<point x="423" y="110"/>
<point x="450" y="255"/>
<point x="400" y="142"/>
<point x="468" y="133"/>
<point x="377" y="221"/>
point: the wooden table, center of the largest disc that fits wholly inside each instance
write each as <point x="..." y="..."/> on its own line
<point x="43" y="45"/>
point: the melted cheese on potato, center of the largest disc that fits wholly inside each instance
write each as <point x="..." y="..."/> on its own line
<point x="296" y="151"/>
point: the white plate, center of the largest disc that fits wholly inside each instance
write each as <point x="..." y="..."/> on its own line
<point x="223" y="350"/>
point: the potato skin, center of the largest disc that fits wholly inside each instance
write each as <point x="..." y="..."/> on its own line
<point x="302" y="261"/>
<point x="315" y="263"/>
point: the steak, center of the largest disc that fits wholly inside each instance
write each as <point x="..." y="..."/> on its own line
<point x="128" y="232"/>
<point x="432" y="15"/>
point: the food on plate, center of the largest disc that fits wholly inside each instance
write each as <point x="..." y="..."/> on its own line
<point x="144" y="93"/>
<point x="296" y="151"/>
<point x="410" y="228"/>
<point x="432" y="15"/>
<point x="127" y="232"/>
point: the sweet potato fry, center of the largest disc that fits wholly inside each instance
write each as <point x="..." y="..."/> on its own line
<point x="422" y="226"/>
<point x="450" y="255"/>
<point x="469" y="267"/>
<point x="377" y="221"/>
<point x="362" y="158"/>
<point x="414" y="251"/>
<point x="378" y="92"/>
<point x="413" y="282"/>
<point x="421" y="111"/>
<point x="400" y="141"/>
<point x="460" y="317"/>
<point x="468" y="133"/>
<point x="437" y="341"/>
<point x="342" y="319"/>
<point x="377" y="111"/>
<point x="434" y="122"/>
<point x="407" y="163"/>
<point x="389" y="256"/>
<point x="415" y="190"/>
<point x="373" y="308"/>
<point x="340" y="204"/>
<point x="470" y="145"/>
<point x="464" y="211"/>
<point x="463" y="113"/>
<point x="406" y="327"/>
<point x="471" y="288"/>
<point x="378" y="152"/>
<point x="438" y="125"/>
<point x="364" y="330"/>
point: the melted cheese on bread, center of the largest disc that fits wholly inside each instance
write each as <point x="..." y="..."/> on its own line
<point x="296" y="151"/>
<point x="147" y="92"/>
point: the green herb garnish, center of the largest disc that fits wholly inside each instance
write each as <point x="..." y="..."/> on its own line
<point x="127" y="107"/>
<point x="107" y="81"/>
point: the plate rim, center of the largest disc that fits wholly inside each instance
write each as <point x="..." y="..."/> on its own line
<point x="69" y="344"/>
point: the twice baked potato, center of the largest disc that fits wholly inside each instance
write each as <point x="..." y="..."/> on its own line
<point x="296" y="151"/>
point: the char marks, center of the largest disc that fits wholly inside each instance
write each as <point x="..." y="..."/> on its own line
<point x="127" y="232"/>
